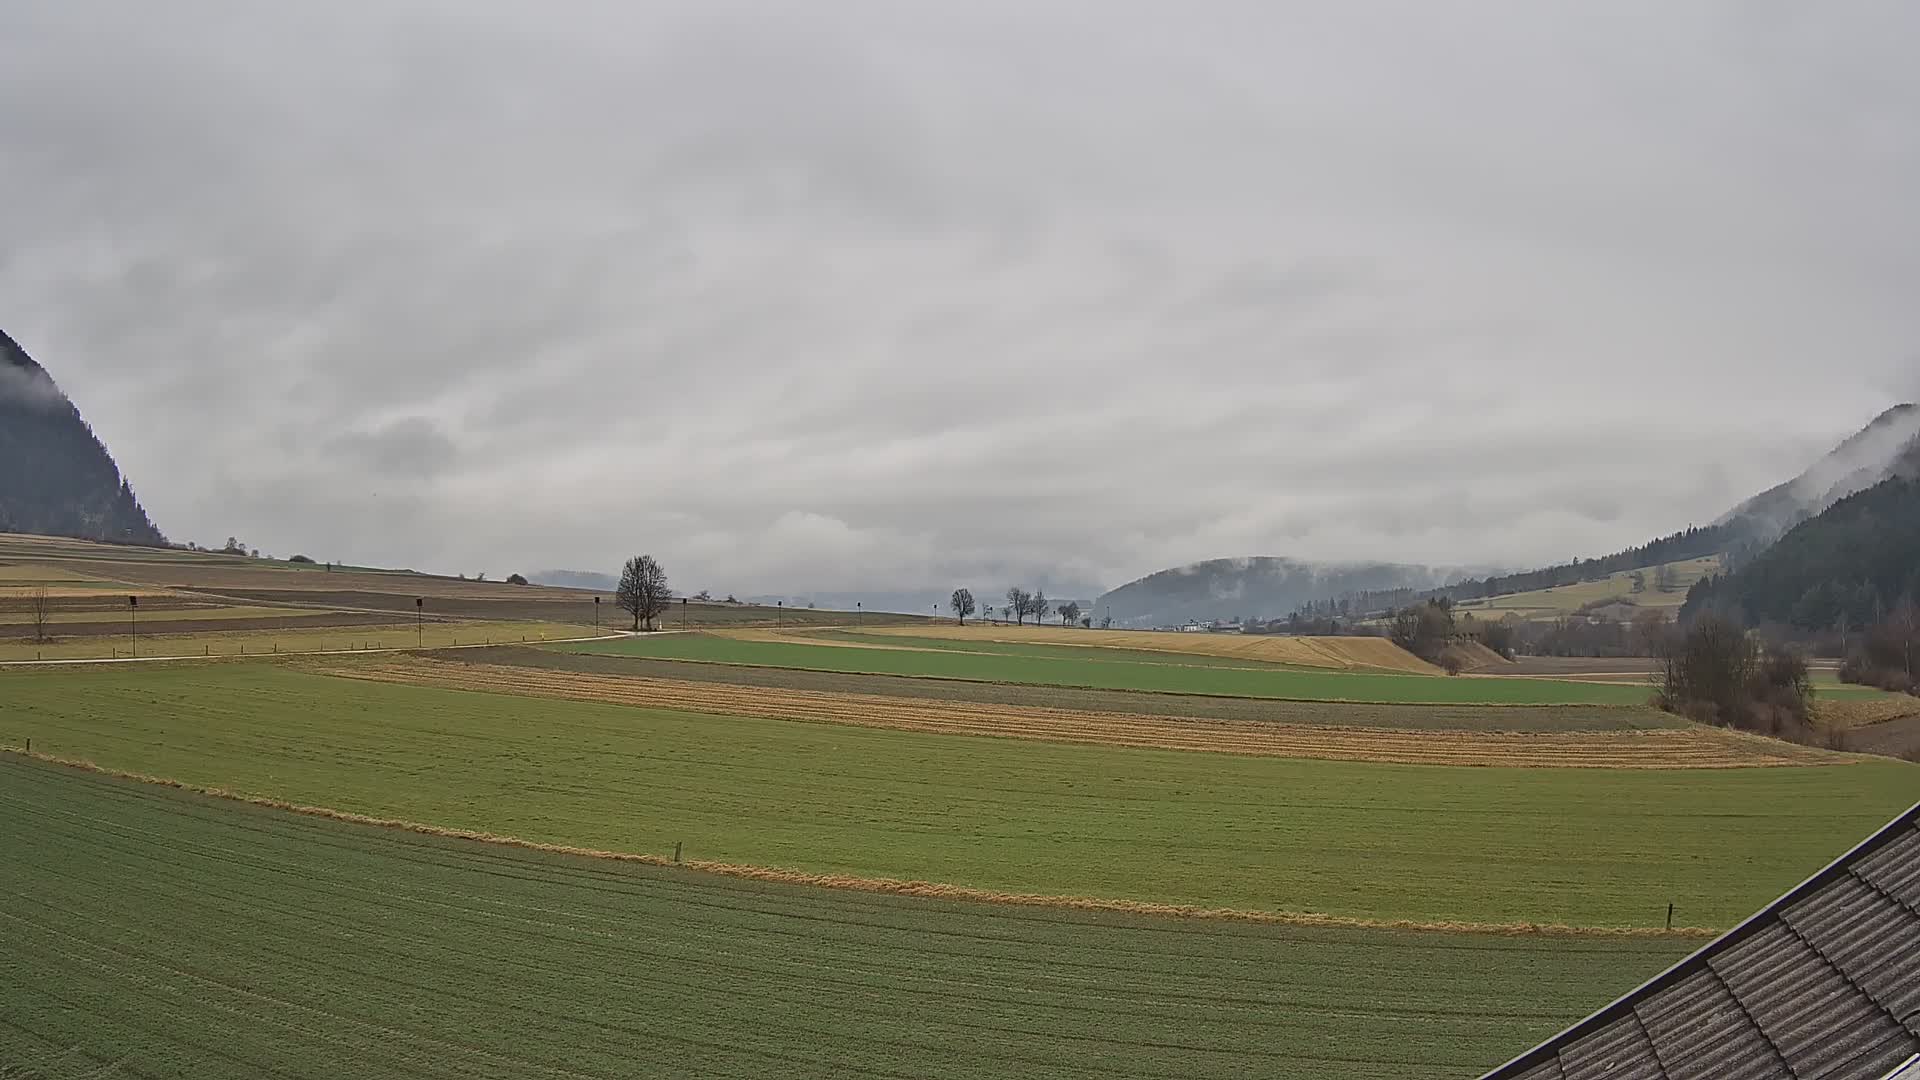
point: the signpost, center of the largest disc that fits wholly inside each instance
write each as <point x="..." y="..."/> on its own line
<point x="419" y="621"/>
<point x="133" y="620"/>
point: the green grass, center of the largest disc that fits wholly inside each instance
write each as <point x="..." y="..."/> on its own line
<point x="1584" y="847"/>
<point x="154" y="933"/>
<point x="1163" y="676"/>
<point x="1529" y="718"/>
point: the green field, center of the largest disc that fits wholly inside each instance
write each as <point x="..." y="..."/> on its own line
<point x="1531" y="718"/>
<point x="154" y="933"/>
<point x="1164" y="677"/>
<point x="1582" y="847"/>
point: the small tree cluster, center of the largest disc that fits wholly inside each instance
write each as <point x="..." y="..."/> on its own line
<point x="1716" y="673"/>
<point x="1884" y="656"/>
<point x="643" y="591"/>
<point x="1022" y="603"/>
<point x="1424" y="629"/>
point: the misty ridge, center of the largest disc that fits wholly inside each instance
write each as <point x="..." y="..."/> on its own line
<point x="56" y="477"/>
<point x="1859" y="463"/>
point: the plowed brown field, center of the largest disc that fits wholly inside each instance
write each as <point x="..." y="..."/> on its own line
<point x="1682" y="748"/>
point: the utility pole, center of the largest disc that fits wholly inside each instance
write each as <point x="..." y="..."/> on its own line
<point x="419" y="621"/>
<point x="133" y="620"/>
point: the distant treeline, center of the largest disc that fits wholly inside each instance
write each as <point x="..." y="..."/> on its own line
<point x="1691" y="543"/>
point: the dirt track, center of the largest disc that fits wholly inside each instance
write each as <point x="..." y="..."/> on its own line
<point x="1656" y="749"/>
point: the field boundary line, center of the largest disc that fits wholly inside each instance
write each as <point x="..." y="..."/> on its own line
<point x="931" y="890"/>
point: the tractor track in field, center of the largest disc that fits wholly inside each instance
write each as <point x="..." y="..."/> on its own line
<point x="1665" y="748"/>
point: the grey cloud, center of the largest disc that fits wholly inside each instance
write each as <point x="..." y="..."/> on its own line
<point x="899" y="296"/>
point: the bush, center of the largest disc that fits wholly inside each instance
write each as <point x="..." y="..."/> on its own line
<point x="1714" y="673"/>
<point x="298" y="558"/>
<point x="516" y="579"/>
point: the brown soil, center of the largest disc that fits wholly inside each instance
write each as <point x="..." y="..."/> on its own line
<point x="1660" y="749"/>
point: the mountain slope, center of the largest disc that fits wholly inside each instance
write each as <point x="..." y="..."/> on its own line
<point x="1863" y="460"/>
<point x="56" y="478"/>
<point x="1853" y="561"/>
<point x="1259" y="587"/>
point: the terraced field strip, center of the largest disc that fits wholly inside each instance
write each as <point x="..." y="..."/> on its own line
<point x="1288" y="684"/>
<point x="1344" y="653"/>
<point x="155" y="933"/>
<point x="980" y="646"/>
<point x="1382" y="842"/>
<point x="1509" y="718"/>
<point x="1687" y="748"/>
<point x="344" y="631"/>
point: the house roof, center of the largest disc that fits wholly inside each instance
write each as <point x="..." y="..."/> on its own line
<point x="1822" y="983"/>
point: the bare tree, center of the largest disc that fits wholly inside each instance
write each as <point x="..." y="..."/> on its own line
<point x="1070" y="612"/>
<point x="1019" y="601"/>
<point x="40" y="609"/>
<point x="643" y="591"/>
<point x="962" y="604"/>
<point x="1039" y="606"/>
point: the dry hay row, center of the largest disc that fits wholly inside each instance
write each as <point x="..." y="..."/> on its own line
<point x="933" y="890"/>
<point x="1679" y="748"/>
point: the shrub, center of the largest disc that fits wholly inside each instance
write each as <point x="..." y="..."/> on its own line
<point x="516" y="579"/>
<point x="298" y="558"/>
<point x="1714" y="673"/>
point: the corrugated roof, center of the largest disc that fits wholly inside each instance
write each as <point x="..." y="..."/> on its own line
<point x="1823" y="983"/>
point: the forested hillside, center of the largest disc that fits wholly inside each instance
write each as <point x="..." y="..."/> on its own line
<point x="1850" y="564"/>
<point x="56" y="478"/>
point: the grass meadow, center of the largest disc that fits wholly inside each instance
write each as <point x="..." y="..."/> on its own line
<point x="173" y="935"/>
<point x="1583" y="847"/>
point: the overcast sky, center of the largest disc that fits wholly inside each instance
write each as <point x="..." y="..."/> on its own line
<point x="893" y="295"/>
